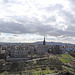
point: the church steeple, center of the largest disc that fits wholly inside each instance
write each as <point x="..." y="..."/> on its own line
<point x="44" y="43"/>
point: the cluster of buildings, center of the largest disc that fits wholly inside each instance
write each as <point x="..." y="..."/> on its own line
<point x="2" y="51"/>
<point x="23" y="50"/>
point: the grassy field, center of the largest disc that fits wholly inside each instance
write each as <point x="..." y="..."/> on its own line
<point x="66" y="55"/>
<point x="65" y="60"/>
<point x="39" y="71"/>
<point x="30" y="72"/>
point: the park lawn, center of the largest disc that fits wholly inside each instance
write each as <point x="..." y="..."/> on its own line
<point x="65" y="60"/>
<point x="42" y="72"/>
<point x="47" y="72"/>
<point x="34" y="72"/>
<point x="39" y="72"/>
<point x="66" y="55"/>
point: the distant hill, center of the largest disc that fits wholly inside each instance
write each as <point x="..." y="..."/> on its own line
<point x="40" y="42"/>
<point x="54" y="43"/>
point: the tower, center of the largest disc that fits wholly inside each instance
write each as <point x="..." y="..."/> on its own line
<point x="44" y="43"/>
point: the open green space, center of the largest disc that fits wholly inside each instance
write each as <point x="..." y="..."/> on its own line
<point x="65" y="60"/>
<point x="66" y="55"/>
<point x="38" y="71"/>
<point x="30" y="72"/>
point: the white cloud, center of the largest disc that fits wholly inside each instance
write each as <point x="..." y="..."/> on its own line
<point x="38" y="17"/>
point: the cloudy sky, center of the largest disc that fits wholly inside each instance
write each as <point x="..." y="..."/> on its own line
<point x="31" y="20"/>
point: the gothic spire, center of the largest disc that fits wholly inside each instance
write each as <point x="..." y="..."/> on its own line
<point x="44" y="43"/>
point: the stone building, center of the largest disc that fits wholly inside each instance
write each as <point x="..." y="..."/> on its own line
<point x="52" y="49"/>
<point x="18" y="52"/>
<point x="1" y="50"/>
<point x="55" y="49"/>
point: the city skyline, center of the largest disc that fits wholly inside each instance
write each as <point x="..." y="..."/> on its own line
<point x="31" y="20"/>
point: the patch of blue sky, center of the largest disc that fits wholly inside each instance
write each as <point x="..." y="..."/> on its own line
<point x="8" y="34"/>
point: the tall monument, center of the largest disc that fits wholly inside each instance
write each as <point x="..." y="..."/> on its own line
<point x="44" y="42"/>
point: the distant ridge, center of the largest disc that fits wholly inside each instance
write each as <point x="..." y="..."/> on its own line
<point x="54" y="43"/>
<point x="40" y="42"/>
